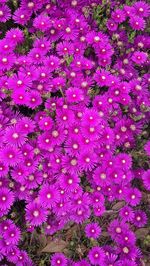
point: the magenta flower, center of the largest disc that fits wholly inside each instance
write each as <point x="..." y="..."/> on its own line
<point x="58" y="259"/>
<point x="147" y="148"/>
<point x="6" y="199"/>
<point x="118" y="16"/>
<point x="10" y="155"/>
<point x="137" y="23"/>
<point x="34" y="99"/>
<point x="127" y="214"/>
<point x="140" y="218"/>
<point x="14" y="136"/>
<point x="4" y="13"/>
<point x="139" y="57"/>
<point x="133" y="196"/>
<point x="12" y="235"/>
<point x="146" y="179"/>
<point x="96" y="256"/>
<point x="35" y="213"/>
<point x="141" y="8"/>
<point x="49" y="195"/>
<point x="74" y="113"/>
<point x="93" y="230"/>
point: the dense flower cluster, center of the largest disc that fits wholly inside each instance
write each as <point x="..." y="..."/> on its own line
<point x="74" y="97"/>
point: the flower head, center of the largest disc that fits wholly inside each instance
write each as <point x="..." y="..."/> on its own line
<point x="36" y="214"/>
<point x="96" y="256"/>
<point x="93" y="230"/>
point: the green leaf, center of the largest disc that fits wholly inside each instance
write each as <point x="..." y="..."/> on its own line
<point x="131" y="36"/>
<point x="69" y="59"/>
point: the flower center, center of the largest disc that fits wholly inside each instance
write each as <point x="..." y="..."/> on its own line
<point x="4" y="60"/>
<point x="31" y="177"/>
<point x="55" y="133"/>
<point x="22" y="16"/>
<point x="30" y="4"/>
<point x="75" y="146"/>
<point x="73" y="162"/>
<point x="125" y="250"/>
<point x="96" y="38"/>
<point x="70" y="181"/>
<point x="10" y="156"/>
<point x="36" y="213"/>
<point x="138" y="218"/>
<point x="74" y="3"/>
<point x="103" y="176"/>
<point x="141" y="9"/>
<point x="87" y="160"/>
<point x="15" y="135"/>
<point x="4" y="198"/>
<point x="133" y="197"/>
<point x="1" y="13"/>
<point x="118" y="230"/>
<point x="68" y="30"/>
<point x="49" y="195"/>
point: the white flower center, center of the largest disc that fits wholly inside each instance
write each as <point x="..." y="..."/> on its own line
<point x="30" y="4"/>
<point x="48" y="195"/>
<point x="55" y="133"/>
<point x="1" y="13"/>
<point x="68" y="30"/>
<point x="36" y="213"/>
<point x="4" y="60"/>
<point x="103" y="176"/>
<point x="70" y="181"/>
<point x="3" y="198"/>
<point x="15" y="135"/>
<point x="125" y="250"/>
<point x="73" y="162"/>
<point x="118" y="230"/>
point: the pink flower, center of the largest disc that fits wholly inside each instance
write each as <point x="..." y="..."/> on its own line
<point x="35" y="213"/>
<point x="93" y="230"/>
<point x="96" y="256"/>
<point x="10" y="155"/>
<point x="6" y="199"/>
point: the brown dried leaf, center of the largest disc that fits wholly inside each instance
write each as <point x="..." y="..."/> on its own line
<point x="69" y="234"/>
<point x="42" y="240"/>
<point x="56" y="245"/>
<point x="143" y="263"/>
<point x="118" y="205"/>
<point x="104" y="234"/>
<point x="142" y="233"/>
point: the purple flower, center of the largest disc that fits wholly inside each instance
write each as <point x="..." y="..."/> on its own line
<point x="58" y="259"/>
<point x="93" y="230"/>
<point x="35" y="214"/>
<point x="96" y="256"/>
<point x="133" y="196"/>
<point x="147" y="148"/>
<point x="141" y="8"/>
<point x="6" y="199"/>
<point x="139" y="57"/>
<point x="127" y="214"/>
<point x="12" y="234"/>
<point x="140" y="218"/>
<point x="74" y="102"/>
<point x="146" y="179"/>
<point x="137" y="23"/>
<point x="49" y="195"/>
<point x="4" y="13"/>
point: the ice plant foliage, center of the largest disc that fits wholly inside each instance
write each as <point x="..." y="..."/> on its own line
<point x="74" y="102"/>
